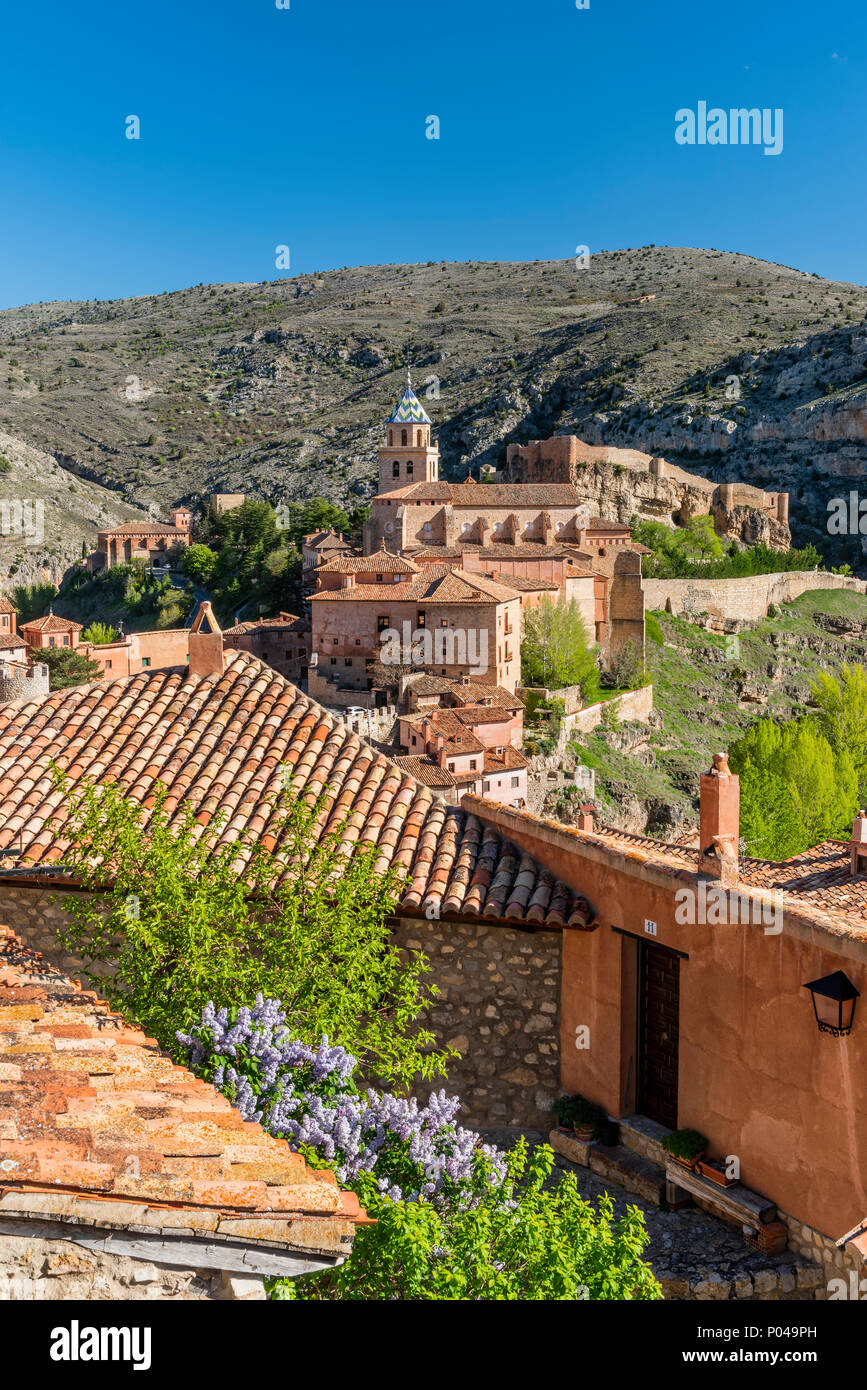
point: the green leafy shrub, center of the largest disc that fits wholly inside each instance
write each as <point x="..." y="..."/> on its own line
<point x="177" y="926"/>
<point x="575" y="1110"/>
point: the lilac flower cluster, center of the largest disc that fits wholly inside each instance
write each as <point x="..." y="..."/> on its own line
<point x="306" y="1095"/>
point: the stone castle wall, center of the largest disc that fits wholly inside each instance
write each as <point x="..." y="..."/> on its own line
<point x="744" y="599"/>
<point x="619" y="484"/>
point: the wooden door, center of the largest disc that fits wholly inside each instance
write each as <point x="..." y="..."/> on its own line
<point x="658" y="1007"/>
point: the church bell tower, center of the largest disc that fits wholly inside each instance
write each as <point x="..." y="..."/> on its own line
<point x="408" y="455"/>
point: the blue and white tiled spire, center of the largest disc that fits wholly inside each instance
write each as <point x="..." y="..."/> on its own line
<point x="409" y="409"/>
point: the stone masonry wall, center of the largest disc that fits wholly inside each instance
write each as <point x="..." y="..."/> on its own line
<point x="499" y="1006"/>
<point x="33" y="1266"/>
<point x="31" y="914"/>
<point x="746" y="599"/>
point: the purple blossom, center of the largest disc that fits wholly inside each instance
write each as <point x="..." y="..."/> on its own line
<point x="307" y="1095"/>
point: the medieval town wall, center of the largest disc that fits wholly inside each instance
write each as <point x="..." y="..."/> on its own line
<point x="744" y="599"/>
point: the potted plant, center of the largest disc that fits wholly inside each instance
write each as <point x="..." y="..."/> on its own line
<point x="715" y="1170"/>
<point x="579" y="1115"/>
<point x="685" y="1146"/>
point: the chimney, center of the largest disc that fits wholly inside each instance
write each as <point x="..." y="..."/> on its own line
<point x="858" y="844"/>
<point x="719" y="821"/>
<point x="206" y="653"/>
<point x="585" y="818"/>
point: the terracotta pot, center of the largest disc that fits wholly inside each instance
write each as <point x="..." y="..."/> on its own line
<point x="584" y="1133"/>
<point x="715" y="1173"/>
<point x="688" y="1163"/>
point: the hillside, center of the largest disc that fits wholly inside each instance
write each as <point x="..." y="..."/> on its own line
<point x="47" y="515"/>
<point x="281" y="388"/>
<point x="704" y="698"/>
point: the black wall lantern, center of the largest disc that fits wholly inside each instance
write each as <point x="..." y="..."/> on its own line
<point x="834" y="1003"/>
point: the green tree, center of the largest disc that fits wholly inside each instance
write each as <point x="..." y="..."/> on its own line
<point x="841" y="713"/>
<point x="699" y="540"/>
<point x="199" y="562"/>
<point x="796" y="789"/>
<point x="556" y="652"/>
<point x="31" y="600"/>
<point x="180" y="924"/>
<point x="100" y="634"/>
<point x="67" y="667"/>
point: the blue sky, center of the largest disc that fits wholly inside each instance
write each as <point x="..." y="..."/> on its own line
<point x="306" y="127"/>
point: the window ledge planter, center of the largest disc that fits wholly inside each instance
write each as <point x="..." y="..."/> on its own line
<point x="714" y="1170"/>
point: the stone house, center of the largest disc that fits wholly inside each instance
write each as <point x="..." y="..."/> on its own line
<point x="282" y="642"/>
<point x="690" y="1004"/>
<point x="479" y="745"/>
<point x="318" y="548"/>
<point x="51" y="631"/>
<point x="468" y="625"/>
<point x="586" y="960"/>
<point x="220" y="734"/>
<point x="149" y="541"/>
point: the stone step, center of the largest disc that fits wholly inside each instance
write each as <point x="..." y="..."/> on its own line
<point x="644" y="1137"/>
<point x="629" y="1170"/>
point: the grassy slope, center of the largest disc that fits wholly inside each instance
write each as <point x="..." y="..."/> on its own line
<point x="696" y="696"/>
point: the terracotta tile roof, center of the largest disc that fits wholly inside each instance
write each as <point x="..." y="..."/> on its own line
<point x="144" y="528"/>
<point x="453" y="719"/>
<point x="510" y="760"/>
<point x="91" y="1109"/>
<point x="426" y="771"/>
<point x="9" y="642"/>
<point x="820" y="877"/>
<point x="817" y="883"/>
<point x="221" y="743"/>
<point x="524" y="585"/>
<point x="434" y="584"/>
<point x="326" y="540"/>
<point x="380" y="562"/>
<point x="482" y="495"/>
<point x="6" y="606"/>
<point x="287" y="622"/>
<point x="470" y="692"/>
<point x="51" y="624"/>
<point x="460" y="741"/>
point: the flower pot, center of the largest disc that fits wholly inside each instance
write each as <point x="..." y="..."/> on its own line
<point x="688" y="1163"/>
<point x="713" y="1170"/>
<point x="584" y="1133"/>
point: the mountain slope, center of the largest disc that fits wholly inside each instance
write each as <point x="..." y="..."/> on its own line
<point x="282" y="388"/>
